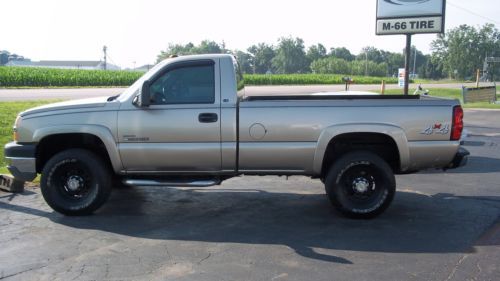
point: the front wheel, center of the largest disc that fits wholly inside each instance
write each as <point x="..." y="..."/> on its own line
<point x="75" y="182"/>
<point x="360" y="184"/>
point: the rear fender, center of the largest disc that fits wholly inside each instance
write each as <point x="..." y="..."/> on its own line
<point x="395" y="132"/>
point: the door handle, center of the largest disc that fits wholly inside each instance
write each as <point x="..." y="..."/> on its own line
<point x="208" y="117"/>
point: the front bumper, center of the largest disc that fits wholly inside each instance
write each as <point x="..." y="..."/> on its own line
<point x="460" y="158"/>
<point x="21" y="160"/>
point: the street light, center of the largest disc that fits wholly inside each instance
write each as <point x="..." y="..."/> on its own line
<point x="366" y="63"/>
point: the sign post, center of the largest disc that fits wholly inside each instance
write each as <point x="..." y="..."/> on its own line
<point x="410" y="17"/>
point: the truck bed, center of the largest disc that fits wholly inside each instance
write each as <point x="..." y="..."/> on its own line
<point x="331" y="97"/>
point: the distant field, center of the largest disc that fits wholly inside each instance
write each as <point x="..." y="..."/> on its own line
<point x="311" y="79"/>
<point x="44" y="77"/>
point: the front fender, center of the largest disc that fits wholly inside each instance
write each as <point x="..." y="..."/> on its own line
<point x="395" y="132"/>
<point x="103" y="133"/>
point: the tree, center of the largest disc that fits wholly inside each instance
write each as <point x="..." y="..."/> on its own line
<point x="290" y="56"/>
<point x="394" y="62"/>
<point x="263" y="55"/>
<point x="205" y="47"/>
<point x="245" y="60"/>
<point x="463" y="49"/>
<point x="331" y="65"/>
<point x="316" y="52"/>
<point x="209" y="47"/>
<point x="430" y="69"/>
<point x="373" y="54"/>
<point x="342" y="53"/>
<point x="175" y="49"/>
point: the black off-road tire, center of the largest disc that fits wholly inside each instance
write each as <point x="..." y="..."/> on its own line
<point x="360" y="184"/>
<point x="76" y="182"/>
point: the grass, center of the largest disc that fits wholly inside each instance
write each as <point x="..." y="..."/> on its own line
<point x="450" y="94"/>
<point x="8" y="113"/>
<point x="441" y="81"/>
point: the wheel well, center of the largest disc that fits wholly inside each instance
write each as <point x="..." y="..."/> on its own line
<point x="51" y="145"/>
<point x="380" y="144"/>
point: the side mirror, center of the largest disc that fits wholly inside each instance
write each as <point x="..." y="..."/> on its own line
<point x="145" y="97"/>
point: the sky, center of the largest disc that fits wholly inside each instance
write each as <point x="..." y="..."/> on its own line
<point x="136" y="31"/>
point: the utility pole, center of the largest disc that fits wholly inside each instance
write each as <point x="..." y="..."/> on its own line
<point x="407" y="63"/>
<point x="366" y="62"/>
<point x="414" y="62"/>
<point x="104" y="49"/>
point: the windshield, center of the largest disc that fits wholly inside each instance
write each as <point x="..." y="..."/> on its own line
<point x="134" y="89"/>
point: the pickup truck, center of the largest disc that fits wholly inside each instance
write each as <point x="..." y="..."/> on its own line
<point x="187" y="122"/>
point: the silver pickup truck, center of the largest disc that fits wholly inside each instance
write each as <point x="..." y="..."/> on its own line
<point x="187" y="122"/>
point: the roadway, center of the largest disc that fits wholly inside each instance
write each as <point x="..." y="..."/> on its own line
<point x="80" y="93"/>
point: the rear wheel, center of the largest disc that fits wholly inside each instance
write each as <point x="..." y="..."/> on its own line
<point x="360" y="184"/>
<point x="75" y="182"/>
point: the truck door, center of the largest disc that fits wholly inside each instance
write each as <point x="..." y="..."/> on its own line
<point x="180" y="131"/>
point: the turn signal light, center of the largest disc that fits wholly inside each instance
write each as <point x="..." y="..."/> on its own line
<point x="457" y="124"/>
<point x="16" y="124"/>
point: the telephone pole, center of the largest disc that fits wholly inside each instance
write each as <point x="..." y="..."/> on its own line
<point x="104" y="49"/>
<point x="415" y="62"/>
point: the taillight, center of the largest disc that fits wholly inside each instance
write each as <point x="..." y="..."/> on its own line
<point x="457" y="124"/>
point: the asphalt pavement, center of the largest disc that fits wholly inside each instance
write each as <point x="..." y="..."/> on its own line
<point x="441" y="226"/>
<point x="80" y="93"/>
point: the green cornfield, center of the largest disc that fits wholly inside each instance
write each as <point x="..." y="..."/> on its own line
<point x="46" y="77"/>
<point x="311" y="79"/>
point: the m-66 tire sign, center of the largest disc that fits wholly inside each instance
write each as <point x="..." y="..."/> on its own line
<point x="412" y="25"/>
<point x="410" y="16"/>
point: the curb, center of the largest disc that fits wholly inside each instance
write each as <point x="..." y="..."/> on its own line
<point x="10" y="184"/>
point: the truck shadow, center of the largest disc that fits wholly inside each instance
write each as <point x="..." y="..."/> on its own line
<point x="475" y="164"/>
<point x="415" y="223"/>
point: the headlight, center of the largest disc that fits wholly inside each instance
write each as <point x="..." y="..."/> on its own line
<point x="16" y="125"/>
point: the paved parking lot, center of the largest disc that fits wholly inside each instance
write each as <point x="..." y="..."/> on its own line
<point x="441" y="226"/>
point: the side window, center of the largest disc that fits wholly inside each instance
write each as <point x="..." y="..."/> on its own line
<point x="185" y="85"/>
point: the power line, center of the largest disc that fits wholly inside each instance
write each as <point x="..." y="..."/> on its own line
<point x="472" y="12"/>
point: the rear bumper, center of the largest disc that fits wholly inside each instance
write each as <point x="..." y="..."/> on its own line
<point x="21" y="160"/>
<point x="460" y="158"/>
